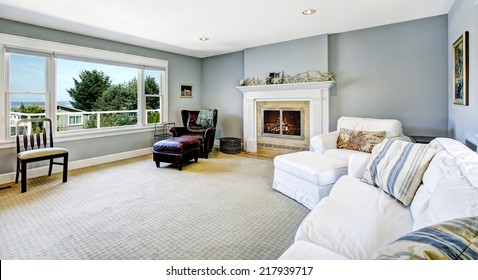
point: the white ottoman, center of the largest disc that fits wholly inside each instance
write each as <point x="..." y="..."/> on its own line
<point x="307" y="176"/>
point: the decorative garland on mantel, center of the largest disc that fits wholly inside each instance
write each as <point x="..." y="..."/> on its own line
<point x="305" y="77"/>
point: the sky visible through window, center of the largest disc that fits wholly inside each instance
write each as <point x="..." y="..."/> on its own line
<point x="27" y="74"/>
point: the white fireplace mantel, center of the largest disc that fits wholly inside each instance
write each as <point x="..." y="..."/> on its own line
<point x="316" y="93"/>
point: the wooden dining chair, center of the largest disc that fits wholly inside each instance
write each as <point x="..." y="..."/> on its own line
<point x="35" y="143"/>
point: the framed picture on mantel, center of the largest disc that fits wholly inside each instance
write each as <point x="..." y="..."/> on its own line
<point x="460" y="70"/>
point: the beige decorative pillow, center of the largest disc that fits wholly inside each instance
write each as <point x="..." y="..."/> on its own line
<point x="358" y="140"/>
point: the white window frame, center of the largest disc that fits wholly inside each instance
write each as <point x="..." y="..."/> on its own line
<point x="87" y="53"/>
<point x="159" y="95"/>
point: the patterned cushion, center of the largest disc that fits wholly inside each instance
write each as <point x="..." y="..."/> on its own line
<point x="206" y="117"/>
<point x="451" y="240"/>
<point x="358" y="140"/>
<point x="397" y="168"/>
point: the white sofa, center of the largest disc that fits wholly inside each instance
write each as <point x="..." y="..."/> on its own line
<point x="326" y="144"/>
<point x="357" y="218"/>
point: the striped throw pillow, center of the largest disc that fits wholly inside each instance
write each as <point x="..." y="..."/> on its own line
<point x="450" y="240"/>
<point x="397" y="167"/>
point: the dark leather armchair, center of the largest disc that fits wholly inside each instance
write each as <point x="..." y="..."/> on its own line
<point x="205" y="135"/>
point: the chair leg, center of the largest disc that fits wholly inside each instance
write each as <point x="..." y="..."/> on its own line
<point x="24" y="177"/>
<point x="65" y="168"/>
<point x="50" y="168"/>
<point x="18" y="171"/>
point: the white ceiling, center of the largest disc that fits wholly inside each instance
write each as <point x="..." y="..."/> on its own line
<point x="231" y="25"/>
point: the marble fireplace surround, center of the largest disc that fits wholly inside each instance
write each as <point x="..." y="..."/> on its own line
<point x="316" y="93"/>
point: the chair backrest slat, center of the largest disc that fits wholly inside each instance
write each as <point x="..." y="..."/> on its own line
<point x="38" y="139"/>
<point x="35" y="136"/>
<point x="44" y="138"/>
<point x="32" y="140"/>
<point x="25" y="140"/>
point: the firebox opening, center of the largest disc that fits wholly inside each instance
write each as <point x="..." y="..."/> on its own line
<point x="282" y="123"/>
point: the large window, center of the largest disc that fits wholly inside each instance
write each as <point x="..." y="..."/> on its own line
<point x="106" y="95"/>
<point x="95" y="91"/>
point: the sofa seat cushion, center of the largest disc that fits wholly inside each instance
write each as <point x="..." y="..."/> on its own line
<point x="303" y="250"/>
<point x="356" y="219"/>
<point x="312" y="167"/>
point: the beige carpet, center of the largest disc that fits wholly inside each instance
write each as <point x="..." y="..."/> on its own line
<point x="220" y="208"/>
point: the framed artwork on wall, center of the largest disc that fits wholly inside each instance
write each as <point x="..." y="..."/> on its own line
<point x="185" y="91"/>
<point x="460" y="70"/>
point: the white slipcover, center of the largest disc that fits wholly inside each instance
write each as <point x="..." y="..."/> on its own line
<point x="356" y="218"/>
<point x="306" y="176"/>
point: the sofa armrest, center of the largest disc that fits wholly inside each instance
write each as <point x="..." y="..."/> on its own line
<point x="358" y="164"/>
<point x="403" y="138"/>
<point x="322" y="142"/>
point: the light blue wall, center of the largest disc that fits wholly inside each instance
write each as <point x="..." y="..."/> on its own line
<point x="395" y="71"/>
<point x="462" y="120"/>
<point x="220" y="76"/>
<point x="291" y="57"/>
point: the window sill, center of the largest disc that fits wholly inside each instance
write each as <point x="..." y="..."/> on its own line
<point x="82" y="135"/>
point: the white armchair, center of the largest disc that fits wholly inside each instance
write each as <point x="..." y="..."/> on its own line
<point x="326" y="144"/>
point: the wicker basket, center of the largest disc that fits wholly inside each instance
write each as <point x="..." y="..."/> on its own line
<point x="230" y="145"/>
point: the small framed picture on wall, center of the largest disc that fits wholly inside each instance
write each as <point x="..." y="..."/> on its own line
<point x="185" y="91"/>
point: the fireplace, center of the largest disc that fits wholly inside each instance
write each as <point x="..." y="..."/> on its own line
<point x="312" y="97"/>
<point x="283" y="125"/>
<point x="286" y="123"/>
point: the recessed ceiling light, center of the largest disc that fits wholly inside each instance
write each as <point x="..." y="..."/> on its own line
<point x="204" y="39"/>
<point x="309" y="12"/>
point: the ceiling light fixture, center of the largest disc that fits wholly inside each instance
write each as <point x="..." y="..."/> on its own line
<point x="204" y="39"/>
<point x="309" y="12"/>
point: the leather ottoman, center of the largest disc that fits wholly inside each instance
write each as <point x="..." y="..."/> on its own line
<point x="176" y="150"/>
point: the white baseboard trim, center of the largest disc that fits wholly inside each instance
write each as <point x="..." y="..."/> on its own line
<point x="42" y="171"/>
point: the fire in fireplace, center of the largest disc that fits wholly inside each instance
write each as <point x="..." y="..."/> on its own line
<point x="282" y="122"/>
